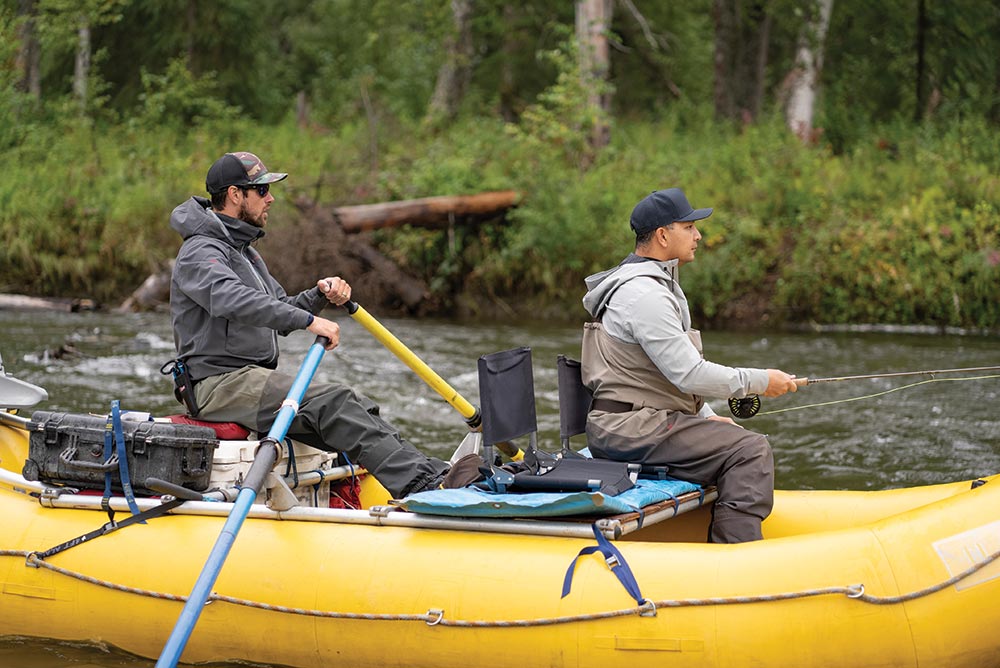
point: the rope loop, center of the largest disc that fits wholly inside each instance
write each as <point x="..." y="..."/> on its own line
<point x="855" y="591"/>
<point x="435" y="612"/>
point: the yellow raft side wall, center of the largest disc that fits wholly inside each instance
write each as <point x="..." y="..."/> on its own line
<point x="392" y="570"/>
<point x="13" y="448"/>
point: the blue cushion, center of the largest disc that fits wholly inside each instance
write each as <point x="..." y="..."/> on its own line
<point x="473" y="502"/>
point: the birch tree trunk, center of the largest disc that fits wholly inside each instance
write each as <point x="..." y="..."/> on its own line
<point x="804" y="81"/>
<point x="456" y="71"/>
<point x="593" y="20"/>
<point x="81" y="70"/>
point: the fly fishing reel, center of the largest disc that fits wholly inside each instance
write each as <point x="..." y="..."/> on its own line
<point x="747" y="407"/>
<point x="744" y="407"/>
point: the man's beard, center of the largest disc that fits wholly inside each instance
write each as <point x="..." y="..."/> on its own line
<point x="257" y="221"/>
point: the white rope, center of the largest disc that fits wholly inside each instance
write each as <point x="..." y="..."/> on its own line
<point x="435" y="617"/>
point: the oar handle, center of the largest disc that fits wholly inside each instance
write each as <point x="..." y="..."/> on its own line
<point x="801" y="382"/>
<point x="167" y="487"/>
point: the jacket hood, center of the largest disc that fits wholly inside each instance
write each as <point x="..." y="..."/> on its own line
<point x="195" y="217"/>
<point x="602" y="285"/>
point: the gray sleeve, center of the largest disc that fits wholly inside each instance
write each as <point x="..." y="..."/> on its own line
<point x="656" y="326"/>
<point x="204" y="273"/>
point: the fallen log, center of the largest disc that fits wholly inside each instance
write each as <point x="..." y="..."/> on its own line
<point x="25" y="303"/>
<point x="153" y="294"/>
<point x="429" y="212"/>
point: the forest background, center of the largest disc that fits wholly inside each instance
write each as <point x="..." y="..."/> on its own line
<point x="850" y="148"/>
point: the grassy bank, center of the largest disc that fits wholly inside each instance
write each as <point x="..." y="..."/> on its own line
<point x="903" y="229"/>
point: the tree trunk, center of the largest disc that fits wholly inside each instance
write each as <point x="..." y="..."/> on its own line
<point x="81" y="70"/>
<point x="191" y="21"/>
<point x="742" y="39"/>
<point x="760" y="75"/>
<point x="302" y="109"/>
<point x="921" y="48"/>
<point x="593" y="20"/>
<point x="456" y="71"/>
<point x="721" y="56"/>
<point x="29" y="53"/>
<point x="805" y="78"/>
<point x="512" y="42"/>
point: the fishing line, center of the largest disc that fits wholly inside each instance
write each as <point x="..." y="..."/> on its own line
<point x="877" y="394"/>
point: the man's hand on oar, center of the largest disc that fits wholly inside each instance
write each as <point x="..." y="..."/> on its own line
<point x="327" y="330"/>
<point x="336" y="289"/>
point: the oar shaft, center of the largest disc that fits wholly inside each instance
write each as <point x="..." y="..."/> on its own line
<point x="929" y="372"/>
<point x="188" y="618"/>
<point x="427" y="374"/>
<point x="263" y="462"/>
<point x="417" y="365"/>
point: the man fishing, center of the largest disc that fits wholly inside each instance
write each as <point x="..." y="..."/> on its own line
<point x="643" y="363"/>
<point x="227" y="312"/>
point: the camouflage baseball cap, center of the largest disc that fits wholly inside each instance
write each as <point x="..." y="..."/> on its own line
<point x="239" y="169"/>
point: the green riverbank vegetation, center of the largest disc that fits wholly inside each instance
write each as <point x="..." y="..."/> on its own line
<point x="887" y="211"/>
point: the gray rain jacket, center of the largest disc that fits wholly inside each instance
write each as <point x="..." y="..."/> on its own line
<point x="641" y="302"/>
<point x="226" y="308"/>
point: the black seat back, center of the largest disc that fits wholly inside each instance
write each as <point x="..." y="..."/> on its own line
<point x="574" y="400"/>
<point x="507" y="395"/>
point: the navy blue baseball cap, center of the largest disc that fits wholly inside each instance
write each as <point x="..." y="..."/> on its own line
<point x="663" y="207"/>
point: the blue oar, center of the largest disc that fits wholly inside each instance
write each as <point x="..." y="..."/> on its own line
<point x="263" y="462"/>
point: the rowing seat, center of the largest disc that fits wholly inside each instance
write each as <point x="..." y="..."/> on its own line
<point x="226" y="431"/>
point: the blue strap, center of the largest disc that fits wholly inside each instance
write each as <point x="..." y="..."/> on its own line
<point x="616" y="562"/>
<point x="116" y="420"/>
<point x="108" y="450"/>
<point x="677" y="503"/>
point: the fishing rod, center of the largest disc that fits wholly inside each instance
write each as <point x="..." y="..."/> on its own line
<point x="747" y="407"/>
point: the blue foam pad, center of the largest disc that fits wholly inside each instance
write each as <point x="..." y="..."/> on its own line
<point x="474" y="502"/>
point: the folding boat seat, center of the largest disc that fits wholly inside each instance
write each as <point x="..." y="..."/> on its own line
<point x="574" y="404"/>
<point x="507" y="404"/>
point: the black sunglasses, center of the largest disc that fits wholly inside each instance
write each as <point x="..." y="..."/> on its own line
<point x="262" y="189"/>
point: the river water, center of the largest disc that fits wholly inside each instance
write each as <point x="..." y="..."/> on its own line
<point x="862" y="434"/>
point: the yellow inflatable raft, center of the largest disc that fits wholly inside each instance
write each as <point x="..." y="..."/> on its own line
<point x="906" y="577"/>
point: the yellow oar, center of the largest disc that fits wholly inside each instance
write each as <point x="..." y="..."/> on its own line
<point x="426" y="374"/>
